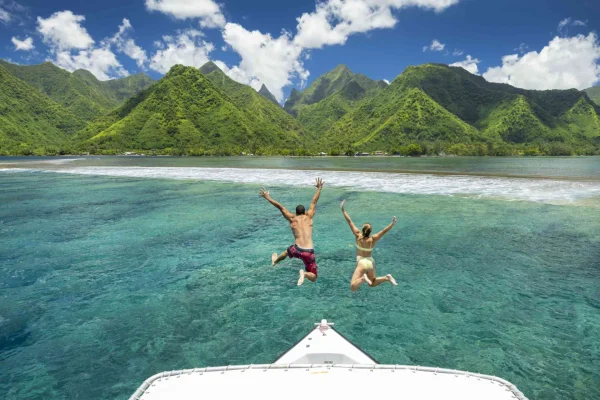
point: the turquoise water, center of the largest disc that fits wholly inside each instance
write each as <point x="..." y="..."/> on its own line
<point x="106" y="280"/>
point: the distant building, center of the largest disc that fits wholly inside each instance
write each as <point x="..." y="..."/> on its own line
<point x="130" y="153"/>
<point x="362" y="154"/>
<point x="322" y="154"/>
<point x="379" y="153"/>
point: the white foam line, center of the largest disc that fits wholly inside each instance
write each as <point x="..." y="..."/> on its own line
<point x="537" y="190"/>
<point x="59" y="161"/>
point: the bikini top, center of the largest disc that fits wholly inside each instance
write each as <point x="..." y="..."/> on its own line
<point x="363" y="249"/>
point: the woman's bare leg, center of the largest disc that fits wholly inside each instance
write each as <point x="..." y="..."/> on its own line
<point x="378" y="281"/>
<point x="358" y="278"/>
<point x="275" y="259"/>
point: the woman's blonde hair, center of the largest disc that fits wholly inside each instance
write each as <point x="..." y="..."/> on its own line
<point x="366" y="230"/>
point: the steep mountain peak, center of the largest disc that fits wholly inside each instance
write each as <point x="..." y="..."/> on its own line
<point x="342" y="68"/>
<point x="267" y="93"/>
<point x="209" y="67"/>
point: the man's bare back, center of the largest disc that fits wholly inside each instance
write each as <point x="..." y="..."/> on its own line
<point x="302" y="228"/>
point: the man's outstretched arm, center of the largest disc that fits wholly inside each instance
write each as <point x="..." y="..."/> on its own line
<point x="287" y="215"/>
<point x="313" y="204"/>
<point x="385" y="230"/>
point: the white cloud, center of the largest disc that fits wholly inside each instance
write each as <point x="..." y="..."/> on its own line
<point x="276" y="61"/>
<point x="207" y="11"/>
<point x="63" y="30"/>
<point x="265" y="59"/>
<point x="23" y="45"/>
<point x="522" y="49"/>
<point x="73" y="48"/>
<point x="470" y="64"/>
<point x="4" y="16"/>
<point x="565" y="63"/>
<point x="334" y="21"/>
<point x="563" y="26"/>
<point x="386" y="81"/>
<point x="127" y="46"/>
<point x="457" y="53"/>
<point x="187" y="48"/>
<point x="435" y="45"/>
<point x="101" y="62"/>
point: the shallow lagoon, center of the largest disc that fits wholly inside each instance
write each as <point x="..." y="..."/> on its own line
<point x="106" y="280"/>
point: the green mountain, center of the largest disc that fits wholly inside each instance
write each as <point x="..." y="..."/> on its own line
<point x="29" y="119"/>
<point x="80" y="92"/>
<point x="252" y="103"/>
<point x="433" y="102"/>
<point x="594" y="94"/>
<point x="328" y="84"/>
<point x="265" y="92"/>
<point x="186" y="110"/>
<point x="330" y="97"/>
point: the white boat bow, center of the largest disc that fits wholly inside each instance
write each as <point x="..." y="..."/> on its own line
<point x="327" y="365"/>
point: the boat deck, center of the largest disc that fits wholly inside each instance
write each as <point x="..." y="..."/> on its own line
<point x="291" y="382"/>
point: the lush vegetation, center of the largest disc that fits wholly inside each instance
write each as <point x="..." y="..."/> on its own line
<point x="436" y="103"/>
<point x="31" y="122"/>
<point x="79" y="92"/>
<point x="427" y="110"/>
<point x="329" y="84"/>
<point x="331" y="97"/>
<point x="187" y="112"/>
<point x="594" y="94"/>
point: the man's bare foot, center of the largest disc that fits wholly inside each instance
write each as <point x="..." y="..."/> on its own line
<point x="391" y="280"/>
<point x="273" y="258"/>
<point x="367" y="280"/>
<point x="301" y="278"/>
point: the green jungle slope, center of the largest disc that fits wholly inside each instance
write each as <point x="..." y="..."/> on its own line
<point x="79" y="92"/>
<point x="29" y="119"/>
<point x="474" y="111"/>
<point x="594" y="94"/>
<point x="186" y="110"/>
<point x="330" y="97"/>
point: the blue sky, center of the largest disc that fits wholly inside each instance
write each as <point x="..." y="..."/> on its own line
<point x="378" y="38"/>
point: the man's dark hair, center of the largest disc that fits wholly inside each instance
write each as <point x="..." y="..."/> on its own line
<point x="300" y="210"/>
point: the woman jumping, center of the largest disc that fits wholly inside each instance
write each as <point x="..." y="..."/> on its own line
<point x="365" y="264"/>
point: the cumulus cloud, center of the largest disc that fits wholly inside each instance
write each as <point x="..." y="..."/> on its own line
<point x="275" y="61"/>
<point x="565" y="63"/>
<point x="73" y="48"/>
<point x="187" y="48"/>
<point x="563" y="26"/>
<point x="23" y="45"/>
<point x="334" y="21"/>
<point x="470" y="64"/>
<point x="127" y="45"/>
<point x="63" y="30"/>
<point x="386" y="81"/>
<point x="265" y="59"/>
<point x="101" y="62"/>
<point x="207" y="11"/>
<point x="435" y="45"/>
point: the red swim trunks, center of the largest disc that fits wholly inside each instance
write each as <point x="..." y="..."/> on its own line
<point x="306" y="255"/>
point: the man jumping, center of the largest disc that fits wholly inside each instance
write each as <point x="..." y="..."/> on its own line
<point x="302" y="227"/>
